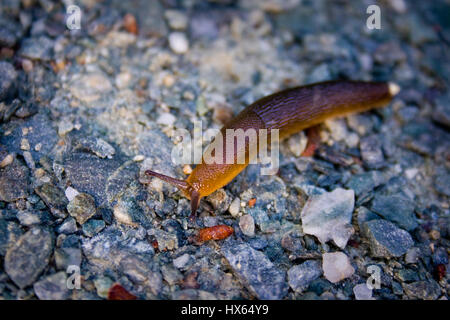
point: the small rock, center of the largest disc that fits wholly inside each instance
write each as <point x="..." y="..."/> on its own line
<point x="177" y="20"/>
<point x="297" y="143"/>
<point x="300" y="276"/>
<point x="336" y="266"/>
<point x="386" y="239"/>
<point x="181" y="261"/>
<point x="166" y="240"/>
<point x="66" y="257"/>
<point x="371" y="152"/>
<point x="92" y="227"/>
<point x="235" y="207"/>
<point x="14" y="182"/>
<point x="219" y="200"/>
<point x="102" y="286"/>
<point x="40" y="48"/>
<point x="82" y="207"/>
<point x="10" y="232"/>
<point x="247" y="225"/>
<point x="424" y="290"/>
<point x="328" y="216"/>
<point x="362" y="292"/>
<point x="53" y="287"/>
<point x="68" y="226"/>
<point x="97" y="146"/>
<point x="166" y="119"/>
<point x="178" y="42"/>
<point x="257" y="271"/>
<point x="397" y="209"/>
<point x="29" y="256"/>
<point x="412" y="255"/>
<point x="71" y="193"/>
<point x="54" y="198"/>
<point x="8" y="77"/>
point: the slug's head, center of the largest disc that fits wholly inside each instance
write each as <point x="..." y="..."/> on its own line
<point x="189" y="191"/>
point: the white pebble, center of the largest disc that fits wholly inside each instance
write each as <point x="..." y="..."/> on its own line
<point x="336" y="266"/>
<point x="71" y="193"/>
<point x="362" y="292"/>
<point x="166" y="119"/>
<point x="178" y="42"/>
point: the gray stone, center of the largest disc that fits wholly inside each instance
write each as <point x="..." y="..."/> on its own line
<point x="365" y="182"/>
<point x="362" y="292"/>
<point x="82" y="207"/>
<point x="53" y="287"/>
<point x="386" y="239"/>
<point x="166" y="240"/>
<point x="171" y="274"/>
<point x="247" y="225"/>
<point x="219" y="200"/>
<point x="256" y="271"/>
<point x="336" y="266"/>
<point x="54" y="198"/>
<point x="300" y="276"/>
<point x="364" y="215"/>
<point x="8" y="77"/>
<point x="397" y="209"/>
<point x="101" y="178"/>
<point x="68" y="226"/>
<point x="40" y="48"/>
<point x="97" y="146"/>
<point x="109" y="247"/>
<point x="10" y="232"/>
<point x="14" y="181"/>
<point x="29" y="256"/>
<point x="181" y="261"/>
<point x="141" y="271"/>
<point x="65" y="257"/>
<point x="424" y="290"/>
<point x="93" y="227"/>
<point x="328" y="216"/>
<point x="371" y="152"/>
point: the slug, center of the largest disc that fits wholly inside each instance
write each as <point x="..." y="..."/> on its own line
<point x="289" y="111"/>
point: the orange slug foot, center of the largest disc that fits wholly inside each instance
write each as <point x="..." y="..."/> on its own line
<point x="313" y="141"/>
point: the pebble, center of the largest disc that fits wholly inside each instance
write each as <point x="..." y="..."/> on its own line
<point x="67" y="257"/>
<point x="54" y="198"/>
<point x="386" y="239"/>
<point x="8" y="76"/>
<point x="178" y="42"/>
<point x="263" y="278"/>
<point x="362" y="292"/>
<point x="93" y="227"/>
<point x="71" y="193"/>
<point x="102" y="285"/>
<point x="40" y="48"/>
<point x="247" y="225"/>
<point x="53" y="287"/>
<point x="371" y="152"/>
<point x="177" y="20"/>
<point x="297" y="143"/>
<point x="166" y="119"/>
<point x="235" y="207"/>
<point x="219" y="200"/>
<point x="397" y="209"/>
<point x="82" y="207"/>
<point x="300" y="276"/>
<point x="423" y="290"/>
<point x="10" y="232"/>
<point x="328" y="216"/>
<point x="14" y="181"/>
<point x="336" y="266"/>
<point x="181" y="261"/>
<point x="29" y="256"/>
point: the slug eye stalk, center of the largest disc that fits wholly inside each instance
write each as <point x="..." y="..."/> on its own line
<point x="183" y="186"/>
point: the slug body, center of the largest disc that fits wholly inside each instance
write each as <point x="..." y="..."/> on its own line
<point x="289" y="111"/>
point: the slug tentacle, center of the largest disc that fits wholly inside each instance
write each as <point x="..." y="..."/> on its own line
<point x="180" y="184"/>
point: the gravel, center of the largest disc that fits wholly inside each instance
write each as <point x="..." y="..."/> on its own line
<point x="84" y="113"/>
